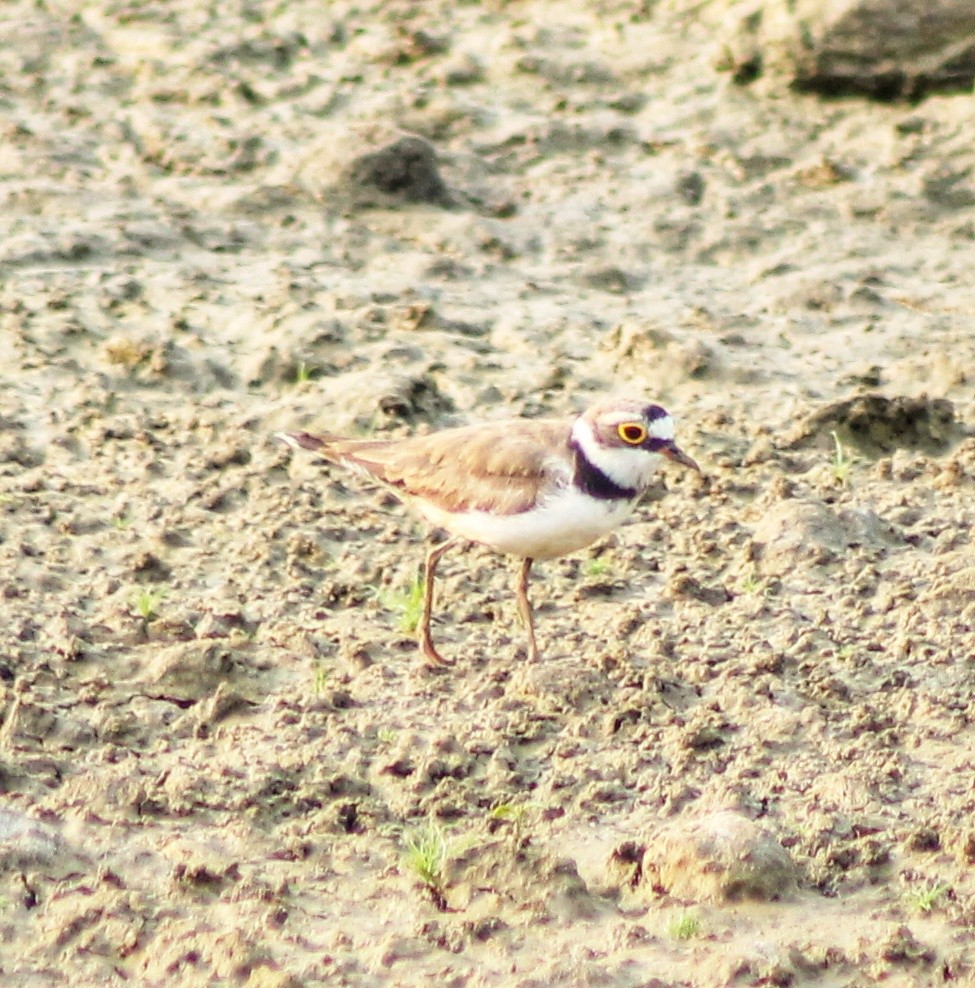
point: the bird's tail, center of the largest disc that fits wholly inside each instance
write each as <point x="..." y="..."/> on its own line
<point x="303" y="440"/>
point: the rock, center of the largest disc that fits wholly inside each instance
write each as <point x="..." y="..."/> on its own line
<point x="719" y="857"/>
<point x="67" y="635"/>
<point x="27" y="844"/>
<point x="799" y="530"/>
<point x="463" y="69"/>
<point x="405" y="170"/>
<point x="149" y="566"/>
<point x="682" y="585"/>
<point x="666" y="354"/>
<point x="902" y="947"/>
<point x="266" y="365"/>
<point x="877" y="425"/>
<point x="885" y="49"/>
<point x="365" y="401"/>
<point x="189" y="671"/>
<point x="612" y="278"/>
<point x="925" y="839"/>
<point x="532" y="879"/>
<point x="222" y="704"/>
<point x="25" y="722"/>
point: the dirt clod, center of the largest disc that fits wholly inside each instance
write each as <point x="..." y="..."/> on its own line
<point x="405" y="170"/>
<point x="876" y="425"/>
<point x="719" y="857"/>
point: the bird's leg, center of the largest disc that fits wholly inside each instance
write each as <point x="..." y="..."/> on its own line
<point x="426" y="642"/>
<point x="525" y="608"/>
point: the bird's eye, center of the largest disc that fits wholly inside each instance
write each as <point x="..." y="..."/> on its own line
<point x="632" y="433"/>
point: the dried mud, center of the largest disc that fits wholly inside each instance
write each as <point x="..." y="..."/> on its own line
<point x="216" y="740"/>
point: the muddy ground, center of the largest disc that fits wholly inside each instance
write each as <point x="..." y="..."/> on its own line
<point x="217" y="741"/>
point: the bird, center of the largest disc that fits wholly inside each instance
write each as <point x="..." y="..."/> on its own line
<point x="535" y="489"/>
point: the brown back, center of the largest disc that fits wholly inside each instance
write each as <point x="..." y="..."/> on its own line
<point x="498" y="467"/>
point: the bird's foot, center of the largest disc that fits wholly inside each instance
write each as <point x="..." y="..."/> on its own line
<point x="432" y="658"/>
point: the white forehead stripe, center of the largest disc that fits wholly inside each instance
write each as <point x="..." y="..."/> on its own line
<point x="662" y="428"/>
<point x="619" y="415"/>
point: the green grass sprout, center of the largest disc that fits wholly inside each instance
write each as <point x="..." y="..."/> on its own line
<point x="408" y="604"/>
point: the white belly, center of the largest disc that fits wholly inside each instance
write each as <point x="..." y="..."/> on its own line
<point x="564" y="523"/>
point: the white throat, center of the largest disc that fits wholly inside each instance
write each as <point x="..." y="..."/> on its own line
<point x="626" y="466"/>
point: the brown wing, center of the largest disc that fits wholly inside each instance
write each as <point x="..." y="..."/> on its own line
<point x="499" y="467"/>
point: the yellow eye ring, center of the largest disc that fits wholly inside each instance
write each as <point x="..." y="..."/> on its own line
<point x="632" y="433"/>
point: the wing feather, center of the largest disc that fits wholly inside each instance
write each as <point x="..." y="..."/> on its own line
<point x="501" y="467"/>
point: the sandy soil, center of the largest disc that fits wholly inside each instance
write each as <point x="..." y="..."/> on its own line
<point x="217" y="743"/>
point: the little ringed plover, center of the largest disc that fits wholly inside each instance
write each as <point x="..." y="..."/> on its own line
<point x="530" y="488"/>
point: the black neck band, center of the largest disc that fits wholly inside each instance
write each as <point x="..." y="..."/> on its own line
<point x="592" y="481"/>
